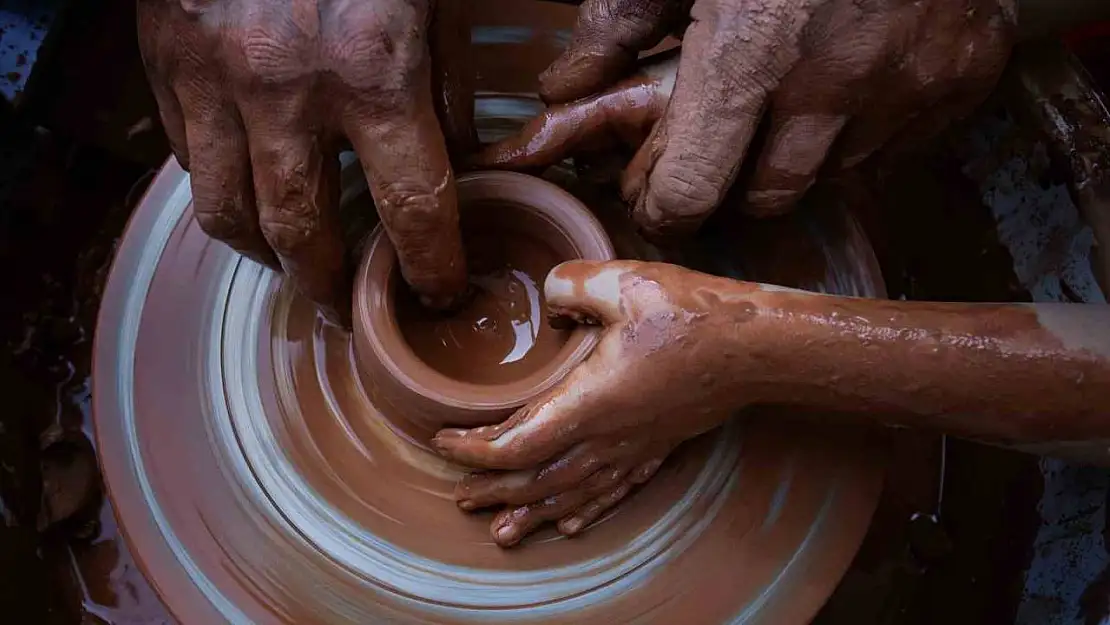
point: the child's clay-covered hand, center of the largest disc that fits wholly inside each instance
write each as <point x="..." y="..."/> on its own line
<point x="256" y="95"/>
<point x="673" y="362"/>
<point x="830" y="82"/>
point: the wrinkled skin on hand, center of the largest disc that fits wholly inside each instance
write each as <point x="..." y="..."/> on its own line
<point x="256" y="97"/>
<point x="830" y="82"/>
<point x="666" y="369"/>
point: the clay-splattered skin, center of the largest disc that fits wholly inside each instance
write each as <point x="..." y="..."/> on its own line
<point x="256" y="97"/>
<point x="684" y="351"/>
<point x="624" y="113"/>
<point x="834" y="81"/>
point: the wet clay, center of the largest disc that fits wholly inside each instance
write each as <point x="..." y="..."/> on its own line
<point x="297" y="483"/>
<point x="501" y="333"/>
<point x="509" y="215"/>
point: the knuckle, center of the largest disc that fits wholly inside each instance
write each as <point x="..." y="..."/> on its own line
<point x="221" y="221"/>
<point x="288" y="238"/>
<point x="746" y="82"/>
<point x="221" y="215"/>
<point x="412" y="212"/>
<point x="270" y="56"/>
<point x="381" y="53"/>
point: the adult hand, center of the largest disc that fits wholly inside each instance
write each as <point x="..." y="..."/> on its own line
<point x="581" y="448"/>
<point x="256" y="96"/>
<point x="830" y="81"/>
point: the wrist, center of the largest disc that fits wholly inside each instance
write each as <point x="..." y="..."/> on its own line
<point x="765" y="338"/>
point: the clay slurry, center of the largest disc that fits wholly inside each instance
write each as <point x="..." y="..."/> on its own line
<point x="501" y="334"/>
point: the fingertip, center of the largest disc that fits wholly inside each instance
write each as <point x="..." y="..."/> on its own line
<point x="506" y="536"/>
<point x="675" y="205"/>
<point x="607" y="42"/>
<point x="445" y="441"/>
<point x="470" y="448"/>
<point x="563" y="280"/>
<point x="590" y="288"/>
<point x="510" y="526"/>
<point x="571" y="526"/>
<point x="438" y="279"/>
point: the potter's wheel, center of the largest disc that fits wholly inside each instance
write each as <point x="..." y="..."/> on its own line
<point x="256" y="483"/>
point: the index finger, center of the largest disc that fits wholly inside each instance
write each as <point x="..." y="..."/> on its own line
<point x="391" y="122"/>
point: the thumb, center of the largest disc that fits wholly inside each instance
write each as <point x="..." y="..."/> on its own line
<point x="555" y="422"/>
<point x="608" y="39"/>
<point x="586" y="289"/>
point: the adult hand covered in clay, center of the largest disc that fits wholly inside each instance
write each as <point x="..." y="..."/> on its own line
<point x="831" y="82"/>
<point x="256" y="95"/>
<point x="668" y="367"/>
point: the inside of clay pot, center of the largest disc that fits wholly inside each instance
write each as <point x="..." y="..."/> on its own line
<point x="501" y="333"/>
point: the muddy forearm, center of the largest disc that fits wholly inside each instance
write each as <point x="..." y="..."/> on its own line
<point x="1030" y="376"/>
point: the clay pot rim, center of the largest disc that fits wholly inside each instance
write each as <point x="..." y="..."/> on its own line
<point x="560" y="209"/>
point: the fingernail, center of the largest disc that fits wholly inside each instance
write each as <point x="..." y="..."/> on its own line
<point x="572" y="526"/>
<point x="466" y="504"/>
<point x="505" y="535"/>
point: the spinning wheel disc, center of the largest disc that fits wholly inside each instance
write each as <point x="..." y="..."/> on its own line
<point x="255" y="481"/>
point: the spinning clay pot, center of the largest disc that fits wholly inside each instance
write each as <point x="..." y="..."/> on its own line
<point x="476" y="365"/>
